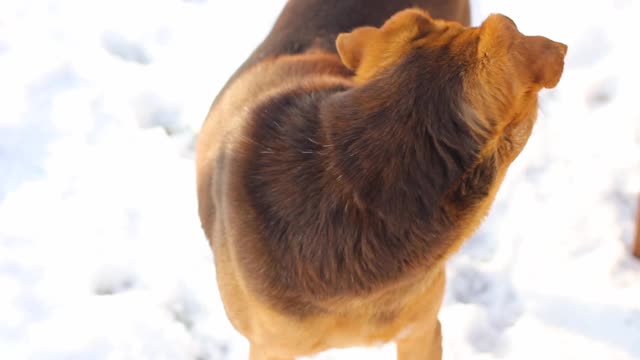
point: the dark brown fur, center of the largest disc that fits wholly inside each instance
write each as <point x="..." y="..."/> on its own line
<point x="349" y="190"/>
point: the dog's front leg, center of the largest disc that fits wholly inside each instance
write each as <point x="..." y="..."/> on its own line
<point x="422" y="344"/>
<point x="422" y="340"/>
<point x="259" y="353"/>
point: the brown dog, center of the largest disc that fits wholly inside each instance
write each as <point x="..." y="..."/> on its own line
<point x="333" y="186"/>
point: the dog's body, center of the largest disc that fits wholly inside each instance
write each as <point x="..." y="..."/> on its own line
<point x="332" y="187"/>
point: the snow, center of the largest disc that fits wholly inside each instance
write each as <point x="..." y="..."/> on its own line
<point x="101" y="254"/>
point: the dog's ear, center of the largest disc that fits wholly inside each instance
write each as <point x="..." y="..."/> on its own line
<point x="409" y="24"/>
<point x="544" y="59"/>
<point x="541" y="59"/>
<point x="351" y="46"/>
<point x="497" y="35"/>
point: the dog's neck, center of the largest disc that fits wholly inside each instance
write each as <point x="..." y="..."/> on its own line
<point x="400" y="141"/>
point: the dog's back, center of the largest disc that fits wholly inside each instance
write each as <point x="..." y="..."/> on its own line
<point x="315" y="24"/>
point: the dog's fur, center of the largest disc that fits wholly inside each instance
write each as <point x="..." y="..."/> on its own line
<point x="335" y="180"/>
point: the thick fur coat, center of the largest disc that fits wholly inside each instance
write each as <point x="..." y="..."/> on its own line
<point x="355" y="150"/>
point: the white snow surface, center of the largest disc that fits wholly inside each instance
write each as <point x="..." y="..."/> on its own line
<point x="101" y="252"/>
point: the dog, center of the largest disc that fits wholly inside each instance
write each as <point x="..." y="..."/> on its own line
<point x="350" y="156"/>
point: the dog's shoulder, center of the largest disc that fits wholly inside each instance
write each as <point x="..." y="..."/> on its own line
<point x="274" y="91"/>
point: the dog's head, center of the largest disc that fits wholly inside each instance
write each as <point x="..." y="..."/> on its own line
<point x="501" y="69"/>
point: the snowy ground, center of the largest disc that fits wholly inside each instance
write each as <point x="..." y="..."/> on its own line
<point x="101" y="254"/>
